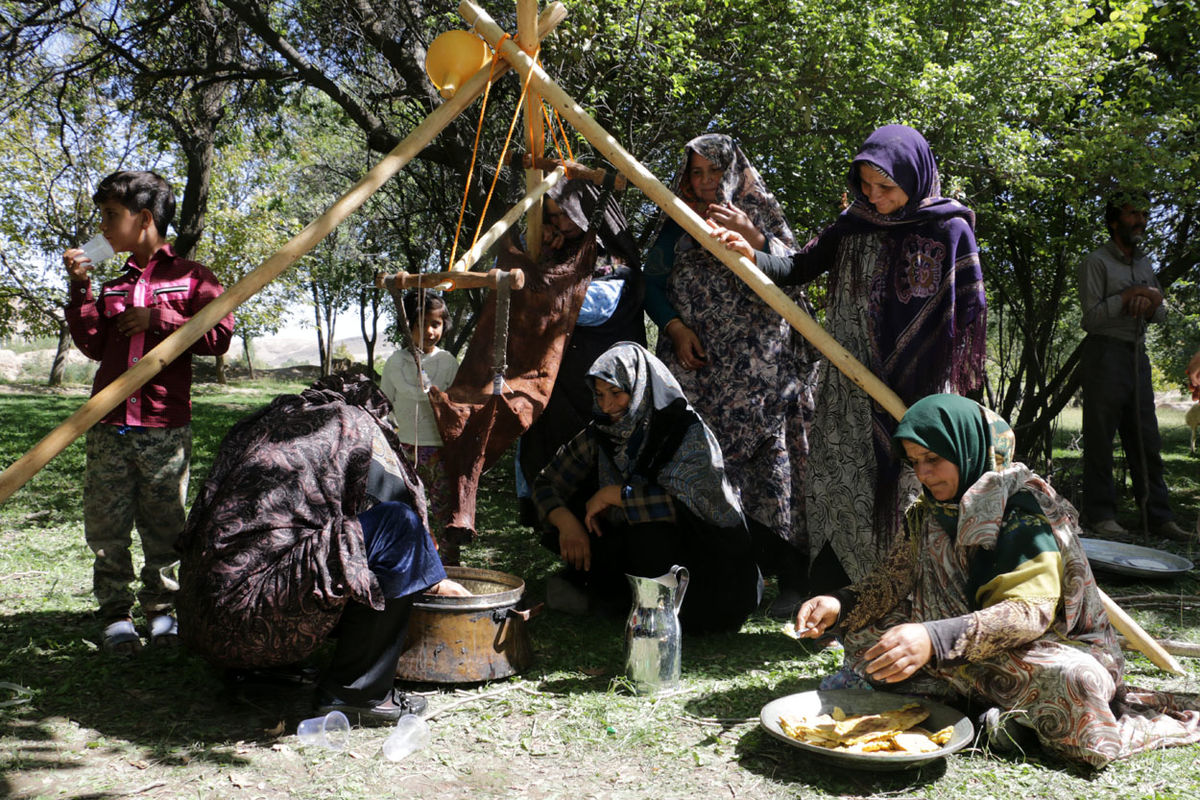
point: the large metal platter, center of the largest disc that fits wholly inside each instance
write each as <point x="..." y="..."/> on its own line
<point x="1133" y="560"/>
<point x="863" y="701"/>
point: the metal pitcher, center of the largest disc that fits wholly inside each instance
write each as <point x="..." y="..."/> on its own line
<point x="652" y="634"/>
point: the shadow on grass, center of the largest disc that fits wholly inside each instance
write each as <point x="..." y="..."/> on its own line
<point x="172" y="705"/>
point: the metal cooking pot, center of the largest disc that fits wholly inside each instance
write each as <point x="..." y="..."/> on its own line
<point x="469" y="639"/>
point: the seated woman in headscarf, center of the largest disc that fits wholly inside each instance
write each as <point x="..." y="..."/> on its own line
<point x="643" y="488"/>
<point x="611" y="313"/>
<point x="988" y="597"/>
<point x="310" y="524"/>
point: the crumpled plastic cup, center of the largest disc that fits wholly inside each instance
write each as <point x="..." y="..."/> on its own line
<point x="97" y="249"/>
<point x="410" y="735"/>
<point x="331" y="731"/>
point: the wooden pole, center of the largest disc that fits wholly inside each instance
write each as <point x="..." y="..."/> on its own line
<point x="654" y="189"/>
<point x="531" y="200"/>
<point x="1138" y="637"/>
<point x="529" y="41"/>
<point x="574" y="169"/>
<point x="91" y="412"/>
<point x="492" y="279"/>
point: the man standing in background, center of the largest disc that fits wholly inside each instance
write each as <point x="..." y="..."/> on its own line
<point x="1120" y="295"/>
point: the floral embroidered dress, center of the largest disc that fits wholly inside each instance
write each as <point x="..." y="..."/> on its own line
<point x="1002" y="585"/>
<point x="756" y="391"/>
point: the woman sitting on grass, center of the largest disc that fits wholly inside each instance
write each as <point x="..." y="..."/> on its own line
<point x="643" y="488"/>
<point x="988" y="597"/>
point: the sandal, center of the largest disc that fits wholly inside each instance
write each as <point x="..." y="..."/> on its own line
<point x="121" y="638"/>
<point x="164" y="631"/>
<point x="394" y="706"/>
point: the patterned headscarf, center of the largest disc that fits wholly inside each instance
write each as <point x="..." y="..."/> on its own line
<point x="740" y="186"/>
<point x="655" y="396"/>
<point x="578" y="199"/>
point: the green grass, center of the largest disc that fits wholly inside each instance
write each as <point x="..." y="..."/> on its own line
<point x="167" y="725"/>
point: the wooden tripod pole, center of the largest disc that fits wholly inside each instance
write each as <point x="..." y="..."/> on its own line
<point x="529" y="42"/>
<point x="763" y="286"/>
<point x="91" y="412"/>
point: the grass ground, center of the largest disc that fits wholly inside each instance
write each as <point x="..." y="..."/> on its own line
<point x="76" y="724"/>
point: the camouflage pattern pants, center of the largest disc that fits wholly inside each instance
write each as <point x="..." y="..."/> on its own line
<point x="135" y="476"/>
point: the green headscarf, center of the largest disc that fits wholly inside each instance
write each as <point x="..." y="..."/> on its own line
<point x="955" y="429"/>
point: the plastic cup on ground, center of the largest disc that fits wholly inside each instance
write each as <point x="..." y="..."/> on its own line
<point x="331" y="731"/>
<point x="97" y="249"/>
<point x="410" y="735"/>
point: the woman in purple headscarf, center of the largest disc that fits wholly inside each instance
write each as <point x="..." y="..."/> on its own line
<point x="906" y="299"/>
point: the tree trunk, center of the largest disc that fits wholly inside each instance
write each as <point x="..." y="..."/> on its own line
<point x="371" y="336"/>
<point x="331" y="325"/>
<point x="316" y="299"/>
<point x="221" y="379"/>
<point x="246" y="349"/>
<point x="60" y="355"/>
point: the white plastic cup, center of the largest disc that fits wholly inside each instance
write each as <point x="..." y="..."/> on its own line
<point x="97" y="249"/>
<point x="331" y="731"/>
<point x="410" y="735"/>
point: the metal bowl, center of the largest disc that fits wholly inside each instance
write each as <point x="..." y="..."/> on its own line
<point x="1133" y="560"/>
<point x="865" y="701"/>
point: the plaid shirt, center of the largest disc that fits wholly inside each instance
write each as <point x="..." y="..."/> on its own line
<point x="578" y="460"/>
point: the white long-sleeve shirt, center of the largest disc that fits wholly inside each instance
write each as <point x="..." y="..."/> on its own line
<point x="411" y="412"/>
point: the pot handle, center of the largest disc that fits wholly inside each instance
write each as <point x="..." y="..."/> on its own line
<point x="528" y="613"/>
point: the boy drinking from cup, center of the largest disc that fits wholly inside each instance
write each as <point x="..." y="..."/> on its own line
<point x="138" y="455"/>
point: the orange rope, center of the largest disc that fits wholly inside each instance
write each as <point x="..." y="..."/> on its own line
<point x="507" y="139"/>
<point x="475" y="148"/>
<point x="566" y="141"/>
<point x="553" y="133"/>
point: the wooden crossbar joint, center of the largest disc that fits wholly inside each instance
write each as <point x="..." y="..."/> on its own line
<point x="574" y="169"/>
<point x="449" y="281"/>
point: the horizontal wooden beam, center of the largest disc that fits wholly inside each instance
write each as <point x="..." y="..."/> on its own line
<point x="492" y="279"/>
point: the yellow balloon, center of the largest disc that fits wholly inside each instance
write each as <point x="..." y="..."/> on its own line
<point x="452" y="58"/>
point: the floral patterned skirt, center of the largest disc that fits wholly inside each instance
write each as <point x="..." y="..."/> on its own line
<point x="1059" y="689"/>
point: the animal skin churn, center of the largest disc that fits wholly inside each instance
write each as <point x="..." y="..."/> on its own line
<point x="469" y="639"/>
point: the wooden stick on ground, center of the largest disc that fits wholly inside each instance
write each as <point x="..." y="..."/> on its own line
<point x="1190" y="649"/>
<point x="654" y="189"/>
<point x="91" y="412"/>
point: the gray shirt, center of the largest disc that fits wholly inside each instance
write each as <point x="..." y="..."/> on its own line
<point x="1103" y="276"/>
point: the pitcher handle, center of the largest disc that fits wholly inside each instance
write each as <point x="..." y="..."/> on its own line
<point x="681" y="576"/>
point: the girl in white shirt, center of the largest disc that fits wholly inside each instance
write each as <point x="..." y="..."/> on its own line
<point x="407" y="387"/>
